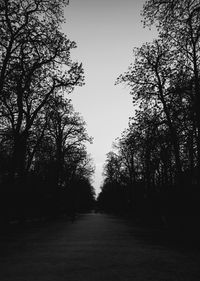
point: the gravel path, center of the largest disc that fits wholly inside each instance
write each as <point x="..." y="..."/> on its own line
<point x="95" y="247"/>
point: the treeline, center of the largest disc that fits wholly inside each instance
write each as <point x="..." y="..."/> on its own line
<point x="154" y="168"/>
<point x="44" y="165"/>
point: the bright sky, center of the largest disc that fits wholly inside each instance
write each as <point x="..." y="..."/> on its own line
<point x="105" y="32"/>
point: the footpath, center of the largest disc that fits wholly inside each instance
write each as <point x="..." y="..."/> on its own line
<point x="92" y="248"/>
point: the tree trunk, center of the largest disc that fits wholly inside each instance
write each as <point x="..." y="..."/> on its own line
<point x="173" y="134"/>
<point x="19" y="158"/>
<point x="197" y="111"/>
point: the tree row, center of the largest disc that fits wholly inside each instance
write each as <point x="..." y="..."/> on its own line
<point x="154" y="167"/>
<point x="44" y="165"/>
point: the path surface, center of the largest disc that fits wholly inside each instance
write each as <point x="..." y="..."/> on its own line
<point x="95" y="247"/>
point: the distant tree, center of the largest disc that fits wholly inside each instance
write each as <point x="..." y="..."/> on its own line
<point x="113" y="168"/>
<point x="67" y="131"/>
<point x="81" y="195"/>
<point x="150" y="79"/>
<point x="63" y="142"/>
<point x="128" y="149"/>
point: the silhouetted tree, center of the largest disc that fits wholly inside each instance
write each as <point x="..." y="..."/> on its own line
<point x="160" y="149"/>
<point x="178" y="23"/>
<point x="113" y="168"/>
<point x="149" y="78"/>
<point x="35" y="65"/>
<point x="42" y="138"/>
<point x="68" y="133"/>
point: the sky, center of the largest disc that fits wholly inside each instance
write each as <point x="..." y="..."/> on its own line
<point x="106" y="31"/>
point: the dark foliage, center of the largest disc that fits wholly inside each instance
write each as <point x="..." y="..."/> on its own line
<point x="42" y="140"/>
<point x="156" y="161"/>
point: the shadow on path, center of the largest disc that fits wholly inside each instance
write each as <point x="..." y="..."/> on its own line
<point x="94" y="247"/>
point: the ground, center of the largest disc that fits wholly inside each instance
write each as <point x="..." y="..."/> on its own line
<point x="94" y="247"/>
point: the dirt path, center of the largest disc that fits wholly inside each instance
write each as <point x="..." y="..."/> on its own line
<point x="95" y="247"/>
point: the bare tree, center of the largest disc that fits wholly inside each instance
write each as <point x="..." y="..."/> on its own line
<point x="35" y="64"/>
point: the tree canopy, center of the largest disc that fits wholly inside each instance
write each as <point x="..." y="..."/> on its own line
<point x="42" y="138"/>
<point x="157" y="158"/>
